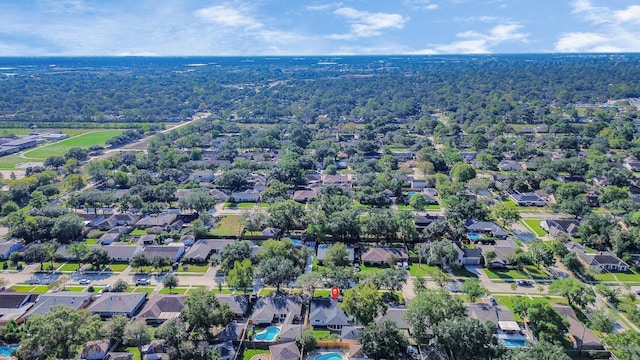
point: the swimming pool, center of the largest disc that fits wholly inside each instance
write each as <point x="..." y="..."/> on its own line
<point x="473" y="236"/>
<point x="7" y="350"/>
<point x="268" y="334"/>
<point x="514" y="342"/>
<point x="329" y="356"/>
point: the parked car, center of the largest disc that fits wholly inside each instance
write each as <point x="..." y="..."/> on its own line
<point x="84" y="281"/>
<point x="524" y="283"/>
<point x="143" y="282"/>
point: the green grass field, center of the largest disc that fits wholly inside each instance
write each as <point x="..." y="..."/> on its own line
<point x="98" y="137"/>
<point x="38" y="289"/>
<point x="505" y="274"/>
<point x="69" y="267"/>
<point x="118" y="267"/>
<point x="534" y="224"/>
<point x="193" y="268"/>
<point x="229" y="225"/>
<point x="508" y="302"/>
<point x="178" y="290"/>
<point x="249" y="353"/>
<point x="422" y="270"/>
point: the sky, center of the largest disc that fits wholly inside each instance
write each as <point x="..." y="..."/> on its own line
<point x="315" y="27"/>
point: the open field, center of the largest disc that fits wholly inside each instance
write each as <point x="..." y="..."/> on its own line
<point x="84" y="141"/>
<point x="534" y="224"/>
<point x="229" y="225"/>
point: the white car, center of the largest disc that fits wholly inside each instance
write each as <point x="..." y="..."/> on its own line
<point x="143" y="282"/>
<point x="84" y="281"/>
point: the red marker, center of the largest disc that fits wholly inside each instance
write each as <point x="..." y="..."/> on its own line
<point x="335" y="292"/>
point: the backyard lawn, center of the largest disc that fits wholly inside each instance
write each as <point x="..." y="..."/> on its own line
<point x="249" y="353"/>
<point x="508" y="302"/>
<point x="229" y="225"/>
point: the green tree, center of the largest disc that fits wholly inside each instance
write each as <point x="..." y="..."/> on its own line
<point x="38" y="200"/>
<point x="114" y="328"/>
<point x="576" y="292"/>
<point x="545" y="322"/>
<point x="440" y="277"/>
<point x="473" y="288"/>
<point x="232" y="252"/>
<point x="309" y="282"/>
<point x="572" y="263"/>
<point x="626" y="345"/>
<point x="36" y="253"/>
<point x="285" y="215"/>
<point x="337" y="255"/>
<point x="462" y="172"/>
<point x="97" y="258"/>
<point x="602" y="321"/>
<point x="140" y="260"/>
<point x="541" y="254"/>
<point x="67" y="228"/>
<point x="384" y="341"/>
<point x="418" y="202"/>
<point x="137" y="334"/>
<point x="9" y="207"/>
<point x="277" y="271"/>
<point x="507" y="213"/>
<point x="428" y="309"/>
<point x="170" y="281"/>
<point x="79" y="250"/>
<point x="60" y="333"/>
<point x="306" y="341"/>
<point x="537" y="351"/>
<point x="202" y="310"/>
<point x="74" y="182"/>
<point x="441" y="252"/>
<point x="241" y="275"/>
<point x="161" y="262"/>
<point x="120" y="286"/>
<point x="364" y="302"/>
<point x="468" y="339"/>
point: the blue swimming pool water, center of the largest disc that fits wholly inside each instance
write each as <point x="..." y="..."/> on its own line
<point x="329" y="356"/>
<point x="7" y="350"/>
<point x="296" y="242"/>
<point x="514" y="342"/>
<point x="473" y="236"/>
<point x="269" y="334"/>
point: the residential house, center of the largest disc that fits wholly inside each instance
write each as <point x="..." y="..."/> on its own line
<point x="187" y="239"/>
<point x="250" y="195"/>
<point x="119" y="356"/>
<point x="493" y="313"/>
<point x="277" y="308"/>
<point x="417" y="183"/>
<point x="225" y="350"/>
<point x="304" y="196"/>
<point x="95" y="350"/>
<point x="593" y="199"/>
<point x="487" y="228"/>
<point x="73" y="300"/>
<point x="509" y="165"/>
<point x="357" y="353"/>
<point x="13" y="305"/>
<point x="285" y="351"/>
<point x="202" y="249"/>
<point x="173" y="251"/>
<point x="338" y="179"/>
<point x="527" y="199"/>
<point x="8" y="247"/>
<point x="557" y="227"/>
<point x="404" y="155"/>
<point x="290" y="332"/>
<point x="397" y="316"/>
<point x="598" y="261"/>
<point x="161" y="308"/>
<point x="121" y="252"/>
<point x="326" y="312"/>
<point x="582" y="337"/>
<point x="202" y="176"/>
<point x="148" y="239"/>
<point x="472" y="256"/>
<point x="155" y="350"/>
<point x="239" y="304"/>
<point x="109" y="238"/>
<point x="160" y="220"/>
<point x="322" y="253"/>
<point x="231" y="332"/>
<point x="503" y="250"/>
<point x="380" y="256"/>
<point x="632" y="164"/>
<point x="111" y="304"/>
<point x="423" y="221"/>
<point x="117" y="220"/>
<point x="350" y="333"/>
<point x="219" y="195"/>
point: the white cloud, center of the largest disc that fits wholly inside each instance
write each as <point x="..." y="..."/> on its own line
<point x="612" y="30"/>
<point x="479" y="43"/>
<point x="229" y="16"/>
<point x="426" y="5"/>
<point x="367" y="24"/>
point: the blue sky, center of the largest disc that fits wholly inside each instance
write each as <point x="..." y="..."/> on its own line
<point x="316" y="27"/>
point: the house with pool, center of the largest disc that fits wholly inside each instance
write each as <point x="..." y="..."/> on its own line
<point x="325" y="312"/>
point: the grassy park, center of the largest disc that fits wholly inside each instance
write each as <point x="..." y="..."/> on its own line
<point x="60" y="148"/>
